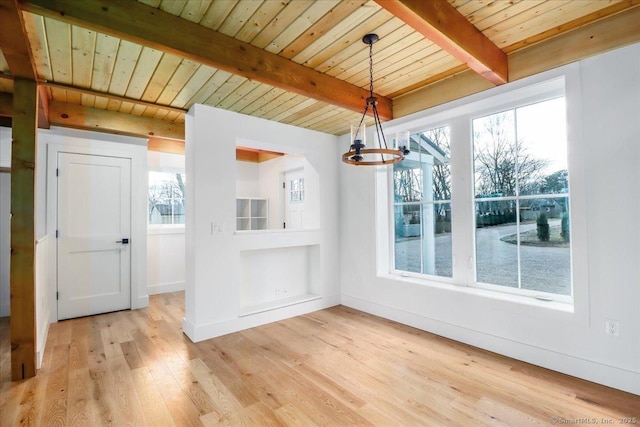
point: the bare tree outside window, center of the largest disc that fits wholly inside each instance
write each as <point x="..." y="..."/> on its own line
<point x="166" y="198"/>
<point x="503" y="164"/>
<point x="522" y="198"/>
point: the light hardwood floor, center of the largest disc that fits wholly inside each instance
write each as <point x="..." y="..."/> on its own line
<point x="333" y="367"/>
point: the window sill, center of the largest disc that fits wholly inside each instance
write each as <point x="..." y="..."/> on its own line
<point x="165" y="229"/>
<point x="498" y="296"/>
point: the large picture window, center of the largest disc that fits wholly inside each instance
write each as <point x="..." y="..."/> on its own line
<point x="522" y="198"/>
<point x="483" y="199"/>
<point x="166" y="198"/>
<point x="422" y="205"/>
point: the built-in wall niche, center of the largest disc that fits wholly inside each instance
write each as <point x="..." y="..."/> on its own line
<point x="275" y="191"/>
<point x="278" y="277"/>
<point x="252" y="214"/>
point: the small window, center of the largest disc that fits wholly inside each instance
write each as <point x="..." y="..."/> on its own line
<point x="296" y="190"/>
<point x="166" y="198"/>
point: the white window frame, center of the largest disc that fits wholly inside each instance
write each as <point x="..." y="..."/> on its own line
<point x="422" y="204"/>
<point x="459" y="115"/>
<point x="164" y="228"/>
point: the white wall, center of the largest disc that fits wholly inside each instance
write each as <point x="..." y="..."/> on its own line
<point x="604" y="122"/>
<point x="248" y="182"/>
<point x="165" y="243"/>
<point x="214" y="280"/>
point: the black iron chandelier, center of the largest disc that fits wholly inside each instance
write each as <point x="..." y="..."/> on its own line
<point x="358" y="154"/>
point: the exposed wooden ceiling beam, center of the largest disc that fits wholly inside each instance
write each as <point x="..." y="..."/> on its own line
<point x="618" y="30"/>
<point x="441" y="23"/>
<point x="6" y="104"/>
<point x="14" y="42"/>
<point x="17" y="51"/>
<point x="43" y="108"/>
<point x="172" y="146"/>
<point x="79" y="117"/>
<point x="92" y="92"/>
<point x="146" y="25"/>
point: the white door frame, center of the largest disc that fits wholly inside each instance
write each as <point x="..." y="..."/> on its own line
<point x="93" y="143"/>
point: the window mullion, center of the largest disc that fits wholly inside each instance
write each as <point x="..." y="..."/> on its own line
<point x="517" y="193"/>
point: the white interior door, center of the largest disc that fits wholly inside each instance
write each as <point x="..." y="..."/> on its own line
<point x="94" y="224"/>
<point x="294" y="199"/>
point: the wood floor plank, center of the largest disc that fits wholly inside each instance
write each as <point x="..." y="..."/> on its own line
<point x="337" y="366"/>
<point x="231" y="380"/>
<point x="131" y="355"/>
<point x="155" y="412"/>
<point x="80" y="401"/>
<point x="55" y="408"/>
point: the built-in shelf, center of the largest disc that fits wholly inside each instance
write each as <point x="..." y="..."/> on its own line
<point x="252" y="214"/>
<point x="276" y="304"/>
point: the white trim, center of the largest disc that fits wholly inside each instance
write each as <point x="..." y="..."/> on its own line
<point x="42" y="295"/>
<point x="216" y="329"/>
<point x="607" y="375"/>
<point x="92" y="143"/>
<point x="163" y="288"/>
<point x="558" y="82"/>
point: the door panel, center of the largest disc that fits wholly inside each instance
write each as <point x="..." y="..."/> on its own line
<point x="94" y="215"/>
<point x="294" y="199"/>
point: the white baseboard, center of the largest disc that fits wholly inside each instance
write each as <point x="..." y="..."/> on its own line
<point x="163" y="288"/>
<point x="43" y="333"/>
<point x="140" y="302"/>
<point x="610" y="376"/>
<point x="211" y="330"/>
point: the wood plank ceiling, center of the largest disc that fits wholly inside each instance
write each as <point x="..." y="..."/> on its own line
<point x="92" y="69"/>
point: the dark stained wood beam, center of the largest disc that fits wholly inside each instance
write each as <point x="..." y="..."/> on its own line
<point x="441" y="23"/>
<point x="79" y="117"/>
<point x="23" y="239"/>
<point x="146" y="25"/>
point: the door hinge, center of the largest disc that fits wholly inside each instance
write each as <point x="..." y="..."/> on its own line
<point x="283" y="185"/>
<point x="56" y="296"/>
<point x="57" y="172"/>
<point x="57" y="234"/>
<point x="284" y="225"/>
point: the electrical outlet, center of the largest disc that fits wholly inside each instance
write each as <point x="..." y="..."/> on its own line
<point x="280" y="292"/>
<point x="612" y="327"/>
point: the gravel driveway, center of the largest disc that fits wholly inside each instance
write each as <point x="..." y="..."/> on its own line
<point x="545" y="269"/>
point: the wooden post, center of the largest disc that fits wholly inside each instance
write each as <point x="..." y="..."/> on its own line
<point x="22" y="278"/>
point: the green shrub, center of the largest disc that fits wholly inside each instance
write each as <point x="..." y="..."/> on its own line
<point x="564" y="227"/>
<point x="542" y="227"/>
